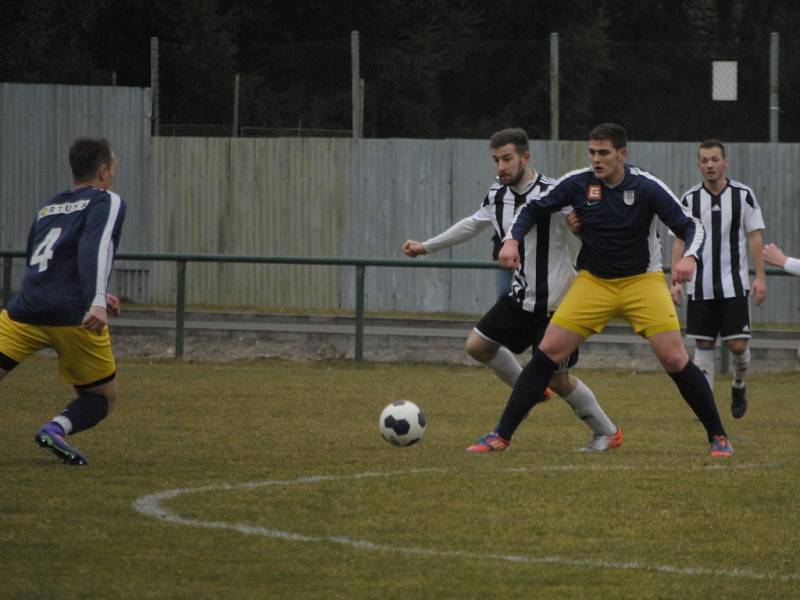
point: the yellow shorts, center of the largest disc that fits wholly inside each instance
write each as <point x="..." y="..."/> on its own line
<point x="642" y="300"/>
<point x="84" y="357"/>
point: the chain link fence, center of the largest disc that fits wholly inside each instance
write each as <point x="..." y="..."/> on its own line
<point x="431" y="90"/>
<point x="663" y="92"/>
<point x="789" y="85"/>
<point x="283" y="90"/>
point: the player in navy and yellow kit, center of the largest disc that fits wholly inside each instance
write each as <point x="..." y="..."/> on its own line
<point x="619" y="275"/>
<point x="63" y="303"/>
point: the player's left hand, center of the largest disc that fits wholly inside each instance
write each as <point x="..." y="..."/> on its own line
<point x="676" y="291"/>
<point x="683" y="270"/>
<point x="774" y="255"/>
<point x="113" y="305"/>
<point x="759" y="290"/>
<point x="96" y="318"/>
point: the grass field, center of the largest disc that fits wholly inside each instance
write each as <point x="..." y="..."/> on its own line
<point x="270" y="480"/>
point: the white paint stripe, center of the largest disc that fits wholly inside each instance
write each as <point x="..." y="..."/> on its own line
<point x="709" y="467"/>
<point x="151" y="506"/>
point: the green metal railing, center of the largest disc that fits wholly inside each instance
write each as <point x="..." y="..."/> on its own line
<point x="182" y="260"/>
<point x="360" y="265"/>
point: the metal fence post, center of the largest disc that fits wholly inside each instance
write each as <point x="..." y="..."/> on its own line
<point x="235" y="132"/>
<point x="360" y="313"/>
<point x="774" y="88"/>
<point x="554" y="108"/>
<point x="360" y="107"/>
<point x="180" y="308"/>
<point x="6" y="279"/>
<point x="154" y="83"/>
<point x="355" y="66"/>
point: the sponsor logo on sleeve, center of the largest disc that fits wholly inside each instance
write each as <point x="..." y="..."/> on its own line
<point x="62" y="209"/>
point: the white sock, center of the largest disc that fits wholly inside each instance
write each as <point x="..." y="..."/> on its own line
<point x="704" y="359"/>
<point x="587" y="409"/>
<point x="741" y="364"/>
<point x="65" y="423"/>
<point x="505" y="366"/>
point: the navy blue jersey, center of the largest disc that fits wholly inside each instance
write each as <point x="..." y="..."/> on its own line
<point x="70" y="253"/>
<point x="619" y="236"/>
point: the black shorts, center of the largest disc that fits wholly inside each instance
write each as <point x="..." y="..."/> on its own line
<point x="509" y="325"/>
<point x="729" y="318"/>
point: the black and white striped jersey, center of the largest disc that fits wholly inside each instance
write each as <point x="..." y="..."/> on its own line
<point x="497" y="210"/>
<point x="545" y="272"/>
<point x="502" y="202"/>
<point x="723" y="267"/>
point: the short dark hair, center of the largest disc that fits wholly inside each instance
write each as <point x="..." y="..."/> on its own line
<point x="616" y="134"/>
<point x="87" y="155"/>
<point x="713" y="143"/>
<point x="512" y="135"/>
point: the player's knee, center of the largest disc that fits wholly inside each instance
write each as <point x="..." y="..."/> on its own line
<point x="562" y="384"/>
<point x="557" y="354"/>
<point x="112" y="400"/>
<point x="673" y="359"/>
<point x="7" y="364"/>
<point x="674" y="362"/>
<point x="479" y="349"/>
<point x="737" y="346"/>
<point x="107" y="390"/>
<point x="559" y="343"/>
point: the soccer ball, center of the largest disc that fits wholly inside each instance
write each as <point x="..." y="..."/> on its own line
<point x="402" y="423"/>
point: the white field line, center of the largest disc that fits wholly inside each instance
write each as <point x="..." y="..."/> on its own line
<point x="152" y="506"/>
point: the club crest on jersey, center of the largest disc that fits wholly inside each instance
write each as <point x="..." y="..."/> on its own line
<point x="594" y="193"/>
<point x="629" y="197"/>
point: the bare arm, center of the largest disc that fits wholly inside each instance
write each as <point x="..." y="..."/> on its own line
<point x="759" y="285"/>
<point x="675" y="288"/>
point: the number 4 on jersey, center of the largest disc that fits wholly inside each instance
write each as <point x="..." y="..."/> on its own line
<point x="44" y="251"/>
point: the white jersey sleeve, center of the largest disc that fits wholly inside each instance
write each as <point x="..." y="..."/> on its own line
<point x="792" y="266"/>
<point x="753" y="220"/>
<point x="457" y="233"/>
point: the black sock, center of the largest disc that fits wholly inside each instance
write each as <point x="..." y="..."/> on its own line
<point x="528" y="391"/>
<point x="86" y="411"/>
<point x="695" y="389"/>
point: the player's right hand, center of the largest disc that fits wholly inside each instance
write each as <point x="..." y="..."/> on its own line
<point x="683" y="270"/>
<point x="509" y="254"/>
<point x="574" y="222"/>
<point x="413" y="248"/>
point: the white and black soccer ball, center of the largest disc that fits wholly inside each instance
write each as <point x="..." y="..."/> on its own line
<point x="402" y="423"/>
